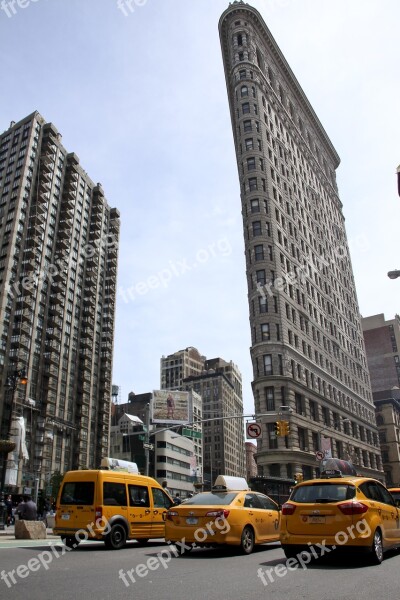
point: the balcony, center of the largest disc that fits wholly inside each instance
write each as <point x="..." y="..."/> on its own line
<point x="51" y="358"/>
<point x="52" y="333"/>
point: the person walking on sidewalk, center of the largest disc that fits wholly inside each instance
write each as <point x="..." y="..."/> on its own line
<point x="9" y="506"/>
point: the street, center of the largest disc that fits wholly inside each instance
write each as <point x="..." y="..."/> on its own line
<point x="48" y="570"/>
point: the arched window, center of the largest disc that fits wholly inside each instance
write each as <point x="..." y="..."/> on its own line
<point x="240" y="39"/>
<point x="244" y="91"/>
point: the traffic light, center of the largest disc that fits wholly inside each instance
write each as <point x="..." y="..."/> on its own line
<point x="278" y="428"/>
<point x="298" y="477"/>
<point x="285" y="427"/>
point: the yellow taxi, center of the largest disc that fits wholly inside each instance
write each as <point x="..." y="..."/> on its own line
<point x="395" y="491"/>
<point x="347" y="512"/>
<point x="229" y="514"/>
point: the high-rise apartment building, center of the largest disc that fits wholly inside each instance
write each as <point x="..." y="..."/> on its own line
<point x="58" y="265"/>
<point x="219" y="383"/>
<point x="382" y="343"/>
<point x="307" y="347"/>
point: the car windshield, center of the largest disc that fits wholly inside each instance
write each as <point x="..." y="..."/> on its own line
<point x="323" y="492"/>
<point x="210" y="498"/>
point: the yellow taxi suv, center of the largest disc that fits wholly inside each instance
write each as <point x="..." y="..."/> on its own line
<point x="110" y="506"/>
<point x="231" y="514"/>
<point x="350" y="513"/>
<point x="395" y="491"/>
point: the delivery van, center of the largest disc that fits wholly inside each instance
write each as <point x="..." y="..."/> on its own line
<point x="110" y="506"/>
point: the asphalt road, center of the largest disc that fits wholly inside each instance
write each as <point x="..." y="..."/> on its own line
<point x="44" y="572"/>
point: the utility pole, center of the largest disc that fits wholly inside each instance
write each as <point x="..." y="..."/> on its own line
<point x="147" y="438"/>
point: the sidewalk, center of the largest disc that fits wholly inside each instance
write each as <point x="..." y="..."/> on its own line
<point x="8" y="534"/>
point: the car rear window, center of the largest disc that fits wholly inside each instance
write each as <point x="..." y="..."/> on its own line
<point x="211" y="498"/>
<point x="323" y="492"/>
<point x="396" y="495"/>
<point x="77" y="492"/>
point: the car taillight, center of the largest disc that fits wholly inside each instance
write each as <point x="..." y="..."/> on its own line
<point x="98" y="511"/>
<point x="353" y="508"/>
<point x="222" y="514"/>
<point x="170" y="514"/>
<point x="288" y="509"/>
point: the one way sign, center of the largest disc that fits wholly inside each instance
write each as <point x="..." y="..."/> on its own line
<point x="253" y="430"/>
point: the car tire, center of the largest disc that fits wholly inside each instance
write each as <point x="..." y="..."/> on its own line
<point x="247" y="540"/>
<point x="70" y="542"/>
<point x="290" y="551"/>
<point x="142" y="541"/>
<point x="116" y="539"/>
<point x="376" y="553"/>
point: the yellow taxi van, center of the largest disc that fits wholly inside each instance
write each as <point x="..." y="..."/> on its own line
<point x="111" y="506"/>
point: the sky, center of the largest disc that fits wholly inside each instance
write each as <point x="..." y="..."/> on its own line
<point x="140" y="97"/>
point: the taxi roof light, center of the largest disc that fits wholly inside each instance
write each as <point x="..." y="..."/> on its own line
<point x="227" y="483"/>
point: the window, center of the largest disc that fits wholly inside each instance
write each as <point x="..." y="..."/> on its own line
<point x="245" y="108"/>
<point x="247" y="126"/>
<point x="267" y="358"/>
<point x="265" y="333"/>
<point x="114" y="494"/>
<point x="138" y="495"/>
<point x="79" y="492"/>
<point x="242" y="74"/>
<point x="256" y="228"/>
<point x="262" y="304"/>
<point x="259" y="252"/>
<point x="252" y="184"/>
<point x="249" y="144"/>
<point x="160" y="499"/>
<point x="244" y="91"/>
<point x="251" y="163"/>
<point x="260" y="276"/>
<point x="255" y="205"/>
<point x="269" y="398"/>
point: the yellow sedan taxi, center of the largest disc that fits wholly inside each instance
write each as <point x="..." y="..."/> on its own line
<point x="230" y="514"/>
<point x="348" y="512"/>
<point x="395" y="491"/>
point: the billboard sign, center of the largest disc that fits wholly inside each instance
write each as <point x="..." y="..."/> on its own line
<point x="170" y="407"/>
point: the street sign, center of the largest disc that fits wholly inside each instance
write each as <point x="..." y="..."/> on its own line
<point x="191" y="433"/>
<point x="148" y="446"/>
<point x="253" y="430"/>
<point x="319" y="455"/>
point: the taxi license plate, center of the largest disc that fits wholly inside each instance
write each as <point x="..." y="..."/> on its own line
<point x="65" y="517"/>
<point x="316" y="519"/>
<point x="192" y="520"/>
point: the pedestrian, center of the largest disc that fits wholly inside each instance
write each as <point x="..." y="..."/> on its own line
<point x="177" y="499"/>
<point x="165" y="488"/>
<point x="27" y="509"/>
<point x="9" y="506"/>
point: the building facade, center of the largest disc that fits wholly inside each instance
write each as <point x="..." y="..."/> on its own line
<point x="251" y="465"/>
<point x="307" y="347"/>
<point x="382" y="342"/>
<point x="58" y="266"/>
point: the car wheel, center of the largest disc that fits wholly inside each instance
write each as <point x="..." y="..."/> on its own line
<point x="290" y="551"/>
<point x="116" y="539"/>
<point x="247" y="540"/>
<point x="142" y="541"/>
<point x="376" y="554"/>
<point x="70" y="542"/>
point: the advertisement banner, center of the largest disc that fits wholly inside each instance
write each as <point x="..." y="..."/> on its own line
<point x="326" y="447"/>
<point x="170" y="407"/>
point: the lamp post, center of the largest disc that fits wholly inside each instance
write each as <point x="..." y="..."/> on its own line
<point x="18" y="376"/>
